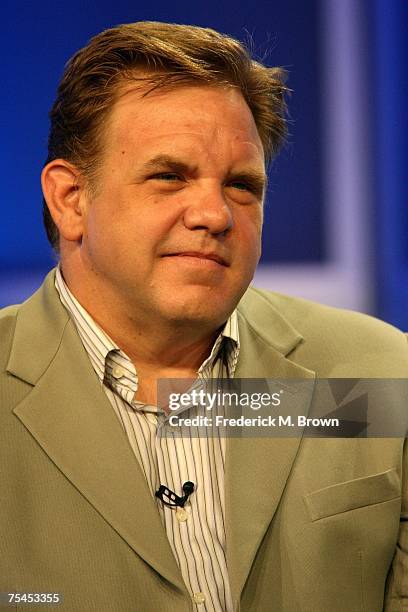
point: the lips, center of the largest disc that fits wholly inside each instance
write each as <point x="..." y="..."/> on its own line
<point x="211" y="256"/>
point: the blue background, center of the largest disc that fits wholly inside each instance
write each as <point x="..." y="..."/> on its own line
<point x="38" y="38"/>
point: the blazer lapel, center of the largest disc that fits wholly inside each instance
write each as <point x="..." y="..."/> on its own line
<point x="257" y="468"/>
<point x="69" y="415"/>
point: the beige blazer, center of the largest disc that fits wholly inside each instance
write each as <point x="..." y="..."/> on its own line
<point x="312" y="525"/>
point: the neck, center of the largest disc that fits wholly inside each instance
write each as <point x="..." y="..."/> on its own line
<point x="162" y="348"/>
<point x="151" y="344"/>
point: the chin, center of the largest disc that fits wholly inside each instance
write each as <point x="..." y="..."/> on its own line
<point x="202" y="313"/>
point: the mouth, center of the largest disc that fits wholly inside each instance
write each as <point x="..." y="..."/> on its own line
<point x="203" y="256"/>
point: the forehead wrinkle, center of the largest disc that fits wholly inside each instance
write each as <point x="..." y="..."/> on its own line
<point x="133" y="124"/>
<point x="184" y="126"/>
<point x="196" y="144"/>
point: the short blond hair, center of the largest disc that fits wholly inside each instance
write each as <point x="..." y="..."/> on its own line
<point x="170" y="54"/>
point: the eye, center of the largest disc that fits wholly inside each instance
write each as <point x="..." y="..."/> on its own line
<point x="170" y="177"/>
<point x="247" y="188"/>
<point x="241" y="186"/>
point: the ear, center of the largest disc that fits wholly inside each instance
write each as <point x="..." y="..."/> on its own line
<point x="64" y="193"/>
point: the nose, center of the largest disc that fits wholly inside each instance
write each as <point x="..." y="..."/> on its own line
<point x="209" y="211"/>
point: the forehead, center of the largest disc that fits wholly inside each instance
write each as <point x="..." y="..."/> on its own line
<point x="204" y="115"/>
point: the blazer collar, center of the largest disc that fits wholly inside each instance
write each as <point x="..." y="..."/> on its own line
<point x="40" y="326"/>
<point x="67" y="400"/>
<point x="267" y="322"/>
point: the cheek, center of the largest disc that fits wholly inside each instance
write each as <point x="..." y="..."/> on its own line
<point x="128" y="232"/>
<point x="250" y="235"/>
<point x="105" y="243"/>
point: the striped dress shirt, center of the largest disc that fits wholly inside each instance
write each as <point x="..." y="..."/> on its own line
<point x="197" y="532"/>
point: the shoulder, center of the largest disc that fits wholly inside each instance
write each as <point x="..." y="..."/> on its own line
<point x="307" y="316"/>
<point x="331" y="336"/>
<point x="8" y="314"/>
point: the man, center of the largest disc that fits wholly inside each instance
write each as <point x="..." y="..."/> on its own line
<point x="154" y="190"/>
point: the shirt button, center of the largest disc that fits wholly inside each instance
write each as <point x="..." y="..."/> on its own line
<point x="182" y="515"/>
<point x="199" y="598"/>
<point x="118" y="372"/>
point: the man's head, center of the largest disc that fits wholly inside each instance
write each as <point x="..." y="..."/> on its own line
<point x="156" y="173"/>
<point x="159" y="54"/>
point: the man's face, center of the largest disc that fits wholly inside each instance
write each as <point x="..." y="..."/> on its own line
<point x="174" y="229"/>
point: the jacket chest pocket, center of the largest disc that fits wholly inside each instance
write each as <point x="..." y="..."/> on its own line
<point x="353" y="494"/>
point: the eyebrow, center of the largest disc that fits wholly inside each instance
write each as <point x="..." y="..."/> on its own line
<point x="258" y="180"/>
<point x="164" y="162"/>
